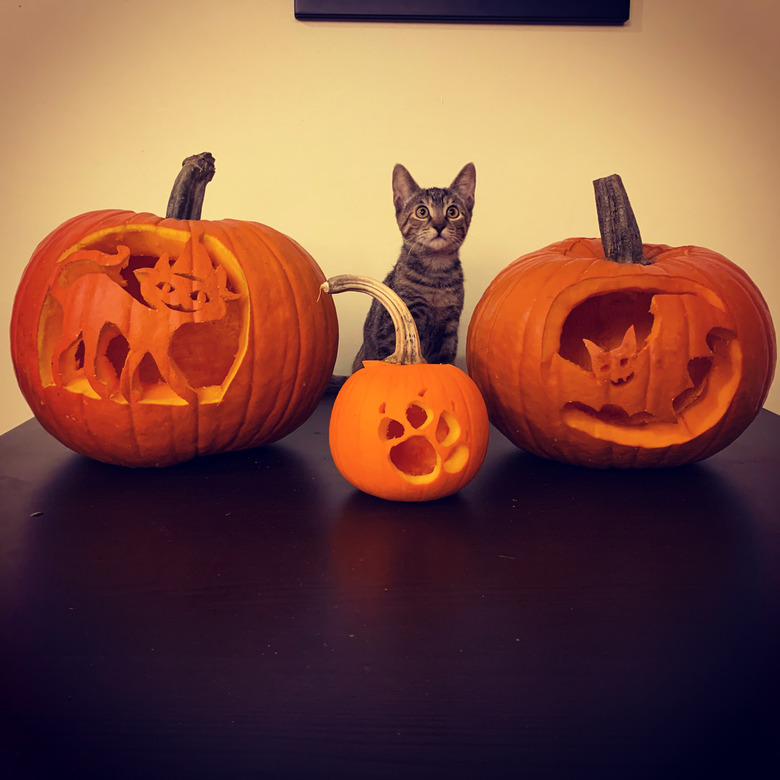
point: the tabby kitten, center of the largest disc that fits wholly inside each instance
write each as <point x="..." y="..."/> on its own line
<point x="428" y="275"/>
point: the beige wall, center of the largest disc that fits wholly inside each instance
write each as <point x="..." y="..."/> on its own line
<point x="101" y="101"/>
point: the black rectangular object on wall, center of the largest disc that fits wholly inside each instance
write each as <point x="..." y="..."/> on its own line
<point x="469" y="11"/>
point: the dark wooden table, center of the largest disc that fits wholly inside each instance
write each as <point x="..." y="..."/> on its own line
<point x="252" y="616"/>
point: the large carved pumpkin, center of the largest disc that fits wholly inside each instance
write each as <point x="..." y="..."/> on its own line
<point x="145" y="341"/>
<point x="403" y="429"/>
<point x="616" y="353"/>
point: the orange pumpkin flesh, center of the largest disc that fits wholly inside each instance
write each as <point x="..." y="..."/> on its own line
<point x="660" y="358"/>
<point x="146" y="341"/>
<point x="402" y="429"/>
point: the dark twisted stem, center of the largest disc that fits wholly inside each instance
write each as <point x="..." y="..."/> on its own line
<point x="189" y="189"/>
<point x="617" y="224"/>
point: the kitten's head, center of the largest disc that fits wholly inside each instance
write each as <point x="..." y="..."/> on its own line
<point x="434" y="220"/>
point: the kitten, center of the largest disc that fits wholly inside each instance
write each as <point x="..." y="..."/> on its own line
<point x="428" y="275"/>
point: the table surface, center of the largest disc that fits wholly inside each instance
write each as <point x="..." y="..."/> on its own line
<point x="252" y="615"/>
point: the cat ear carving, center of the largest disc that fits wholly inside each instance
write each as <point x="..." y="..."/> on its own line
<point x="404" y="186"/>
<point x="595" y="352"/>
<point x="465" y="184"/>
<point x="613" y="364"/>
<point x="628" y="345"/>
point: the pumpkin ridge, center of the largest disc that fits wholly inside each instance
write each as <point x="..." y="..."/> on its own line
<point x="283" y="401"/>
<point x="693" y="374"/>
<point x="526" y="399"/>
<point x="239" y="432"/>
<point x="153" y="430"/>
<point x="291" y="397"/>
<point x="385" y="429"/>
<point x="752" y="296"/>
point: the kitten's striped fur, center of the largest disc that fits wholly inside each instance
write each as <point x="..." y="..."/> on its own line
<point x="428" y="275"/>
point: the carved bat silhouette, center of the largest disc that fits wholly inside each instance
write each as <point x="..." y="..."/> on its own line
<point x="644" y="379"/>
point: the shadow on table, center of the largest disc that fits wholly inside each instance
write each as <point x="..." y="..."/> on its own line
<point x="628" y="612"/>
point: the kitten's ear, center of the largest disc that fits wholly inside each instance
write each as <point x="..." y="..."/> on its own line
<point x="465" y="184"/>
<point x="404" y="186"/>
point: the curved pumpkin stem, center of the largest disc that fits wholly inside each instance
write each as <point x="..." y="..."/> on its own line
<point x="617" y="224"/>
<point x="189" y="189"/>
<point x="407" y="339"/>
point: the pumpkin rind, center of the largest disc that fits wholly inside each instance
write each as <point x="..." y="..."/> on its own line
<point x="408" y="432"/>
<point x="706" y="372"/>
<point x="281" y="346"/>
<point x="402" y="429"/>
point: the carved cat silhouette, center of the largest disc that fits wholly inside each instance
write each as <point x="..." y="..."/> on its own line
<point x="187" y="290"/>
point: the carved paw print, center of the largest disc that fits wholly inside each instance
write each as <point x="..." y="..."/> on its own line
<point x="424" y="443"/>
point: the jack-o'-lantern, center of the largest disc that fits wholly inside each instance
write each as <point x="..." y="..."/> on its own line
<point x="145" y="341"/>
<point x="617" y="353"/>
<point x="403" y="429"/>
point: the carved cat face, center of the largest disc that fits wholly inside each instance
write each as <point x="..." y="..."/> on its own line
<point x="174" y="287"/>
<point x="614" y="365"/>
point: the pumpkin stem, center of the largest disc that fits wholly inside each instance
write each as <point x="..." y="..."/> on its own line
<point x="189" y="189"/>
<point x="407" y="339"/>
<point x="620" y="235"/>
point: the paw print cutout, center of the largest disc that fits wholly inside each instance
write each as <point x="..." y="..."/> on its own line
<point x="424" y="443"/>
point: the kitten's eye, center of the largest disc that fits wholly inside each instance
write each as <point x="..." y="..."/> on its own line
<point x="453" y="212"/>
<point x="165" y="287"/>
<point x="421" y="212"/>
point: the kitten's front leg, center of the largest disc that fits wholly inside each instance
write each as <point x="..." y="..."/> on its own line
<point x="438" y="329"/>
<point x="357" y="363"/>
<point x="448" y="344"/>
<point x="429" y="338"/>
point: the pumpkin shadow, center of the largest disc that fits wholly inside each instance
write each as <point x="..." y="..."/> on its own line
<point x="657" y="580"/>
<point x="399" y="571"/>
<point x="221" y="529"/>
<point x="147" y="596"/>
<point x="570" y="595"/>
<point x="376" y="544"/>
<point x="687" y="521"/>
<point x="696" y="490"/>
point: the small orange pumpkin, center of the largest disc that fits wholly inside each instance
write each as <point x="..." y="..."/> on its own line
<point x="402" y="429"/>
<point x="618" y="353"/>
<point x="145" y="341"/>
